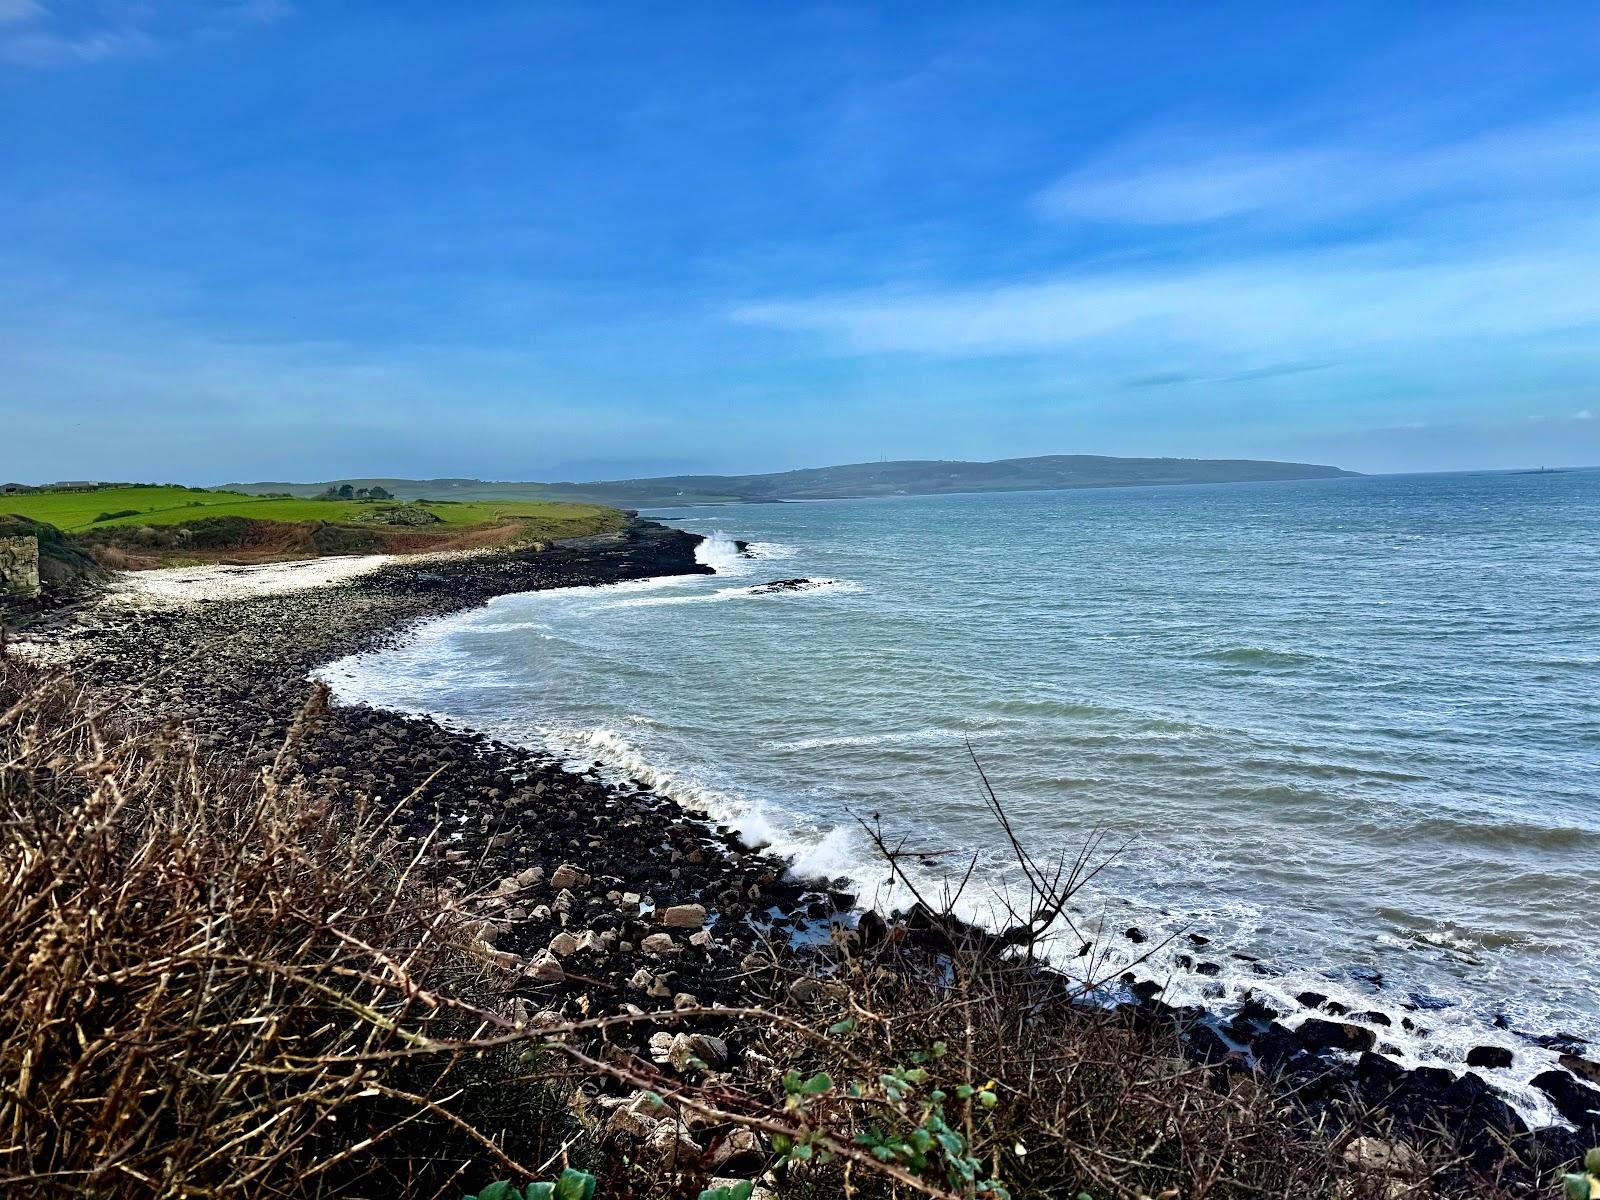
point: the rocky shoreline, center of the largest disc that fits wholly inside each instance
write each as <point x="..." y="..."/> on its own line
<point x="607" y="883"/>
<point x="602" y="888"/>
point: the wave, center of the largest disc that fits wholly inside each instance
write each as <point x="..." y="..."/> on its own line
<point x="771" y="550"/>
<point x="721" y="553"/>
<point x="755" y="591"/>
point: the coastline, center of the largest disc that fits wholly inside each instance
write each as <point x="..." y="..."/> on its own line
<point x="236" y="669"/>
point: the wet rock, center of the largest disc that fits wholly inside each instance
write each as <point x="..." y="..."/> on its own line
<point x="1489" y="1056"/>
<point x="1582" y="1067"/>
<point x="1312" y="999"/>
<point x="1252" y="1019"/>
<point x="1318" y="1035"/>
<point x="1204" y="1044"/>
<point x="871" y="929"/>
<point x="1135" y="935"/>
<point x="1577" y="1102"/>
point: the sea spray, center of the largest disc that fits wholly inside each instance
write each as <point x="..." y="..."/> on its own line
<point x="721" y="553"/>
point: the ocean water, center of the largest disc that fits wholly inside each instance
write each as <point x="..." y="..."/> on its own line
<point x="1349" y="728"/>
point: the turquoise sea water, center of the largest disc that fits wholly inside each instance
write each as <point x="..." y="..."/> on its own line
<point x="1349" y="727"/>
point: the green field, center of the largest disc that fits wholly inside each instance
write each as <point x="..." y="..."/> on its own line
<point x="75" y="512"/>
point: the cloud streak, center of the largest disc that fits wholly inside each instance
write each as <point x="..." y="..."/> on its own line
<point x="1288" y="305"/>
<point x="1161" y="179"/>
<point x="37" y="34"/>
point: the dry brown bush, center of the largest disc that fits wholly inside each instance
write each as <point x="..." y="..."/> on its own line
<point x="221" y="985"/>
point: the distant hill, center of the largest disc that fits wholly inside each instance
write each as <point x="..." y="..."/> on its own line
<point x="916" y="477"/>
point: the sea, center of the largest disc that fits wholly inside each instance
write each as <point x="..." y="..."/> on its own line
<point x="1346" y="731"/>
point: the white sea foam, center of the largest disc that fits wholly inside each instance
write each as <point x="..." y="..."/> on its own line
<point x="756" y="591"/>
<point x="772" y="550"/>
<point x="721" y="553"/>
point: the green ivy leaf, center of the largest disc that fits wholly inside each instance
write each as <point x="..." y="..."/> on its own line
<point x="541" y="1191"/>
<point x="574" y="1185"/>
<point x="819" y="1083"/>
<point x="1576" y="1187"/>
<point x="845" y="1026"/>
<point x="988" y="1099"/>
<point x="500" y="1189"/>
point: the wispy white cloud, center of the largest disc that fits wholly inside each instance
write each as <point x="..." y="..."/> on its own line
<point x="1184" y="177"/>
<point x="15" y="12"/>
<point x="1296" y="304"/>
<point x="1488" y="250"/>
<point x="51" y="33"/>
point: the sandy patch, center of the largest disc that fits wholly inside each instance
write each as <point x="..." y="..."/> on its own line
<point x="188" y="585"/>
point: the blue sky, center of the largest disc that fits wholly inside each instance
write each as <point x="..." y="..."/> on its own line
<point x="263" y="239"/>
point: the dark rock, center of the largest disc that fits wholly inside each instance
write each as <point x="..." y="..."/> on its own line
<point x="1489" y="1056"/>
<point x="871" y="929"/>
<point x="1577" y="1102"/>
<point x="1378" y="1077"/>
<point x="1317" y="1035"/>
<point x="1424" y="1002"/>
<point x="1276" y="1046"/>
<point x="1312" y="999"/>
<point x="1135" y="935"/>
<point x="1582" y="1067"/>
<point x="1204" y="1044"/>
<point x="783" y="585"/>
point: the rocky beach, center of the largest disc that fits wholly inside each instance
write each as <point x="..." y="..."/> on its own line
<point x="604" y="897"/>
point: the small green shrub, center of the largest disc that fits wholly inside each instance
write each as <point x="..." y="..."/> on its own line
<point x="579" y="1185"/>
<point x="1585" y="1184"/>
<point x="112" y="516"/>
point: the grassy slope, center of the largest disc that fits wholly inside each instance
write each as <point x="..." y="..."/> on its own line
<point x="76" y="511"/>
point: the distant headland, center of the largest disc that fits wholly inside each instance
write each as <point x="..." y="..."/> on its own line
<point x="907" y="477"/>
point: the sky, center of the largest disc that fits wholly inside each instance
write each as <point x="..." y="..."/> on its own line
<point x="285" y="239"/>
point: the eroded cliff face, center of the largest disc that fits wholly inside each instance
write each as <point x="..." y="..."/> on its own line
<point x="19" y="566"/>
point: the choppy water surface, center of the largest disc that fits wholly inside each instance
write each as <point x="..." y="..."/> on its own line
<point x="1350" y="726"/>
